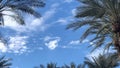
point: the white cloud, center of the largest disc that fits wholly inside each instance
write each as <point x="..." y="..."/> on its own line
<point x="51" y="42"/>
<point x="15" y="45"/>
<point x="68" y="1"/>
<point x="62" y="21"/>
<point x="3" y="48"/>
<point x="86" y="41"/>
<point x="75" y="42"/>
<point x="73" y="12"/>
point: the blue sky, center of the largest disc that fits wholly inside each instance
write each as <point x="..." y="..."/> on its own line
<point x="43" y="40"/>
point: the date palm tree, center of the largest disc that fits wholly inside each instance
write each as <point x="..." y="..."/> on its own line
<point x="103" y="61"/>
<point x="102" y="20"/>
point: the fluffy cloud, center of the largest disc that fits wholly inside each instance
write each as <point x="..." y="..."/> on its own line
<point x="51" y="42"/>
<point x="15" y="45"/>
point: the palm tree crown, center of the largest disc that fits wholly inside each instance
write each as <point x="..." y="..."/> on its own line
<point x="102" y="18"/>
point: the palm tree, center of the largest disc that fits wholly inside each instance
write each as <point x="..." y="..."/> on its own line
<point x="73" y="65"/>
<point x="51" y="65"/>
<point x="103" y="61"/>
<point x="80" y="66"/>
<point x="13" y="8"/>
<point x="102" y="18"/>
<point x="4" y="63"/>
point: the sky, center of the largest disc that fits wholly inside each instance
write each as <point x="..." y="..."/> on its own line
<point x="44" y="40"/>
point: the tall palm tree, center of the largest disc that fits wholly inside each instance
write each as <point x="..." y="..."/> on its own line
<point x="102" y="18"/>
<point x="103" y="61"/>
<point x="4" y="63"/>
<point x="15" y="7"/>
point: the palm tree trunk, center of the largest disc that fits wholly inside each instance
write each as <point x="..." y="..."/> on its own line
<point x="117" y="43"/>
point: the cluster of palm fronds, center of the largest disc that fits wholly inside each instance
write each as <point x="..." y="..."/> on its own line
<point x="102" y="19"/>
<point x="102" y="61"/>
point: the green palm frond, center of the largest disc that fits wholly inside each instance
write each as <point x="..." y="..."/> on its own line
<point x="98" y="16"/>
<point x="103" y="61"/>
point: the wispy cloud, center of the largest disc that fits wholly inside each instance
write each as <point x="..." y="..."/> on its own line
<point x="65" y="21"/>
<point x="51" y="42"/>
<point x="62" y="21"/>
<point x="74" y="42"/>
<point x="86" y="41"/>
